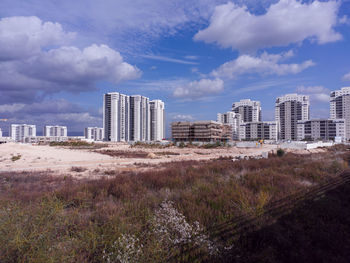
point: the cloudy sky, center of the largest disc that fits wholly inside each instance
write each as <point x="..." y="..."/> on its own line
<point x="57" y="58"/>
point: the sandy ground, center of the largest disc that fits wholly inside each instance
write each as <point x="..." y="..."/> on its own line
<point x="61" y="160"/>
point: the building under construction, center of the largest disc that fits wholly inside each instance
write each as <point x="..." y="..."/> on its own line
<point x="200" y="131"/>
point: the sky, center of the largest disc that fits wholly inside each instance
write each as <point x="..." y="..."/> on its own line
<point x="58" y="58"/>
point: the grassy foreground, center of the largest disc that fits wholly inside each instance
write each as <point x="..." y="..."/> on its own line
<point x="145" y="217"/>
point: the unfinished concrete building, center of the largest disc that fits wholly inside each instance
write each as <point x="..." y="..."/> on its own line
<point x="200" y="131"/>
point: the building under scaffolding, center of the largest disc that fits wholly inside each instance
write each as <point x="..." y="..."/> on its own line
<point x="200" y="131"/>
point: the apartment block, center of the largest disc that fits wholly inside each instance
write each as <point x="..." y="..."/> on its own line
<point x="139" y="118"/>
<point x="321" y="129"/>
<point x="249" y="110"/>
<point x="19" y="131"/>
<point x="129" y="118"/>
<point x="290" y="109"/>
<point x="56" y="131"/>
<point x="157" y="120"/>
<point x="233" y="119"/>
<point x="340" y="107"/>
<point x="0" y="133"/>
<point x="94" y="133"/>
<point x="116" y="117"/>
<point x="258" y="130"/>
<point x="200" y="131"/>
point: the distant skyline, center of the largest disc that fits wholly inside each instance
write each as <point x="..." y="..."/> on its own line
<point x="57" y="59"/>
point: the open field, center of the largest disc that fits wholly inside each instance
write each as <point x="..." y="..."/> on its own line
<point x="148" y="215"/>
<point x="106" y="157"/>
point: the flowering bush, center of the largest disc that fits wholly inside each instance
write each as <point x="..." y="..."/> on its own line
<point x="172" y="228"/>
<point x="126" y="249"/>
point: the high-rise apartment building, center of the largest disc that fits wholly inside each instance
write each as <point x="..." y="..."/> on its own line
<point x="340" y="107"/>
<point x="128" y="118"/>
<point x="0" y="133"/>
<point x="18" y="132"/>
<point x="249" y="110"/>
<point x="139" y="118"/>
<point x="290" y="109"/>
<point x="321" y="129"/>
<point x="233" y="119"/>
<point x="157" y="120"/>
<point x="116" y="117"/>
<point x="266" y="130"/>
<point x="55" y="131"/>
<point x="94" y="133"/>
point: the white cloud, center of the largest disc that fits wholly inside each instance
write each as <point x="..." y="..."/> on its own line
<point x="285" y="22"/>
<point x="73" y="66"/>
<point x="33" y="63"/>
<point x="11" y="108"/>
<point x="201" y="88"/>
<point x="265" y="64"/>
<point x="316" y="93"/>
<point x="21" y="37"/>
<point x="168" y="59"/>
<point x="346" y="77"/>
<point x="182" y="117"/>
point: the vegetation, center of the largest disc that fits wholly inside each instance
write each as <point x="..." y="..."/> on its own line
<point x="79" y="145"/>
<point x="280" y="152"/>
<point x="147" y="216"/>
<point x="16" y="157"/>
<point x="151" y="145"/>
<point x="78" y="169"/>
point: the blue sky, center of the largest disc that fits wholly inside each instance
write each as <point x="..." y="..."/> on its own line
<point x="57" y="58"/>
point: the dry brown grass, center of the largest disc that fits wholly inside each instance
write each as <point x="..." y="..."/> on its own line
<point x="46" y="218"/>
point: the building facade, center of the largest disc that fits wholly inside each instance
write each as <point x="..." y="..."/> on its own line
<point x="200" y="131"/>
<point x="116" y="117"/>
<point x="0" y="133"/>
<point x="94" y="133"/>
<point x="266" y="130"/>
<point x="321" y="129"/>
<point x="56" y="131"/>
<point x="233" y="119"/>
<point x="157" y="120"/>
<point x="340" y="107"/>
<point x="249" y="110"/>
<point x="290" y="109"/>
<point x="19" y="131"/>
<point x="128" y="118"/>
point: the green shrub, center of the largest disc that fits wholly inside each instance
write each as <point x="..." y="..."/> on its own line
<point x="16" y="157"/>
<point x="280" y="152"/>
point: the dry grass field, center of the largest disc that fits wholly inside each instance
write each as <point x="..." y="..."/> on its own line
<point x="146" y="215"/>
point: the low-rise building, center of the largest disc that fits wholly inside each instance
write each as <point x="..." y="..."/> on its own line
<point x="94" y="133"/>
<point x="44" y="139"/>
<point x="200" y="131"/>
<point x="264" y="130"/>
<point x="19" y="131"/>
<point x="321" y="129"/>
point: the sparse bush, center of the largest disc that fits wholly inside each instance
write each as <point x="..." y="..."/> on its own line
<point x="280" y="152"/>
<point x="78" y="169"/>
<point x="16" y="157"/>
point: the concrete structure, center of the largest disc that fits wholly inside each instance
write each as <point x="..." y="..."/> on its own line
<point x="289" y="110"/>
<point x="94" y="133"/>
<point x="233" y="119"/>
<point x="58" y="131"/>
<point x="258" y="130"/>
<point x="140" y="121"/>
<point x="249" y="110"/>
<point x="19" y="131"/>
<point x="44" y="139"/>
<point x="200" y="131"/>
<point x="297" y="145"/>
<point x="116" y="117"/>
<point x="0" y="133"/>
<point x="340" y="107"/>
<point x="321" y="129"/>
<point x="157" y="120"/>
<point x="129" y="118"/>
